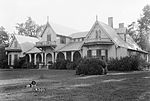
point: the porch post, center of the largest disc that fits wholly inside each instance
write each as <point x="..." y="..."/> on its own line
<point x="45" y="59"/>
<point x="72" y="55"/>
<point x="42" y="56"/>
<point x="65" y="54"/>
<point x="35" y="58"/>
<point x="55" y="56"/>
<point x="30" y="58"/>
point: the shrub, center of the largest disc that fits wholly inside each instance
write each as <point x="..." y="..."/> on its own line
<point x="90" y="66"/>
<point x="128" y="63"/>
<point x="60" y="64"/>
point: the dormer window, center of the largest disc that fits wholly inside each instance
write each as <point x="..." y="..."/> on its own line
<point x="62" y="40"/>
<point x="49" y="37"/>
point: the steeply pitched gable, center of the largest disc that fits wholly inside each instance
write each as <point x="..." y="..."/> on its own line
<point x="48" y="33"/>
<point x="97" y="34"/>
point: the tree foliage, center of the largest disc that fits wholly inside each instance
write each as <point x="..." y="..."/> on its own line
<point x="28" y="28"/>
<point x="140" y="31"/>
<point x="3" y="36"/>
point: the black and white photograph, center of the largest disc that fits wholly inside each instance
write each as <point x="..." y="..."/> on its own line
<point x="75" y="50"/>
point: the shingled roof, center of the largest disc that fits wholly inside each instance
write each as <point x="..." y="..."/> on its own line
<point x="26" y="42"/>
<point x="129" y="43"/>
<point x="73" y="46"/>
<point x="79" y="34"/>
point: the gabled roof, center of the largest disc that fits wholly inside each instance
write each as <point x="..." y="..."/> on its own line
<point x="73" y="46"/>
<point x="26" y="42"/>
<point x="118" y="41"/>
<point x="79" y="34"/>
<point x="121" y="30"/>
<point x="33" y="50"/>
<point x="58" y="29"/>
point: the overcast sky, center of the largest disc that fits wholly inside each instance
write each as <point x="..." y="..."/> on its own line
<point x="77" y="14"/>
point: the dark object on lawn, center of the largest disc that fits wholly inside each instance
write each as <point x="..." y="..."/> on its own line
<point x="32" y="84"/>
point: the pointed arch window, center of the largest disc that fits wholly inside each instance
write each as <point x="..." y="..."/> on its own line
<point x="49" y="37"/>
<point x="98" y="34"/>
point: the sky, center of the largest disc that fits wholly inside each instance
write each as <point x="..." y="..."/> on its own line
<point x="76" y="14"/>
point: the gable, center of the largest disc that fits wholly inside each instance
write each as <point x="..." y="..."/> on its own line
<point x="48" y="34"/>
<point x="15" y="44"/>
<point x="97" y="34"/>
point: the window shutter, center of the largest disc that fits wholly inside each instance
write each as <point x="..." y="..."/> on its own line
<point x="106" y="55"/>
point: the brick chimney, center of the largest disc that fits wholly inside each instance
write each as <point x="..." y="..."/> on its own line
<point x="121" y="25"/>
<point x="110" y="21"/>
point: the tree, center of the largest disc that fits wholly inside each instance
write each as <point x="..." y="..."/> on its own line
<point x="3" y="43"/>
<point x="3" y="36"/>
<point x="28" y="28"/>
<point x="140" y="31"/>
<point x="144" y="27"/>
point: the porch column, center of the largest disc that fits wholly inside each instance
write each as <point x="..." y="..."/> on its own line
<point x="45" y="58"/>
<point x="35" y="58"/>
<point x="147" y="58"/>
<point x="72" y="56"/>
<point x="42" y="56"/>
<point x="65" y="54"/>
<point x="55" y="56"/>
<point x="30" y="59"/>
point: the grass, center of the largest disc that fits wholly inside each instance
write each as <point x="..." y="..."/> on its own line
<point x="64" y="85"/>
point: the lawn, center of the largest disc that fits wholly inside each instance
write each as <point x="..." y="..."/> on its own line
<point x="62" y="85"/>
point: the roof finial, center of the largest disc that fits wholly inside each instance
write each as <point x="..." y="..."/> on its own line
<point x="96" y="18"/>
<point x="47" y="18"/>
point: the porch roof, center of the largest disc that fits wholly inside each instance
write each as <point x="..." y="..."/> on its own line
<point x="73" y="46"/>
<point x="33" y="50"/>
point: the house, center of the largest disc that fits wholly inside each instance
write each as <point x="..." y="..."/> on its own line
<point x="102" y="41"/>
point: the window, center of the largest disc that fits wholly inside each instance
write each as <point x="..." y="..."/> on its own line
<point x="62" y="40"/>
<point x="98" y="53"/>
<point x="16" y="57"/>
<point x="94" y="53"/>
<point x="9" y="60"/>
<point x="100" y="34"/>
<point x="97" y="34"/>
<point x="103" y="53"/>
<point x="89" y="53"/>
<point x="15" y="44"/>
<point x="82" y="39"/>
<point x="49" y="37"/>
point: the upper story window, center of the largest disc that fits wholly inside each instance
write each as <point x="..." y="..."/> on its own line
<point x="62" y="40"/>
<point x="49" y="37"/>
<point x="89" y="53"/>
<point x="98" y="34"/>
<point x="15" y="44"/>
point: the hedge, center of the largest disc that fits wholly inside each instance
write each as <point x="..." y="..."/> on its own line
<point x="91" y="66"/>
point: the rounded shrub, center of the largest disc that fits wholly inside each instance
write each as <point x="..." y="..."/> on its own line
<point x="90" y="66"/>
<point x="128" y="63"/>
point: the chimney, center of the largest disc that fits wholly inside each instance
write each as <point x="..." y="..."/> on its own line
<point x="121" y="25"/>
<point x="110" y="21"/>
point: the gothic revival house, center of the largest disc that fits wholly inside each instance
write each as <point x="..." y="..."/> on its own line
<point x="102" y="41"/>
